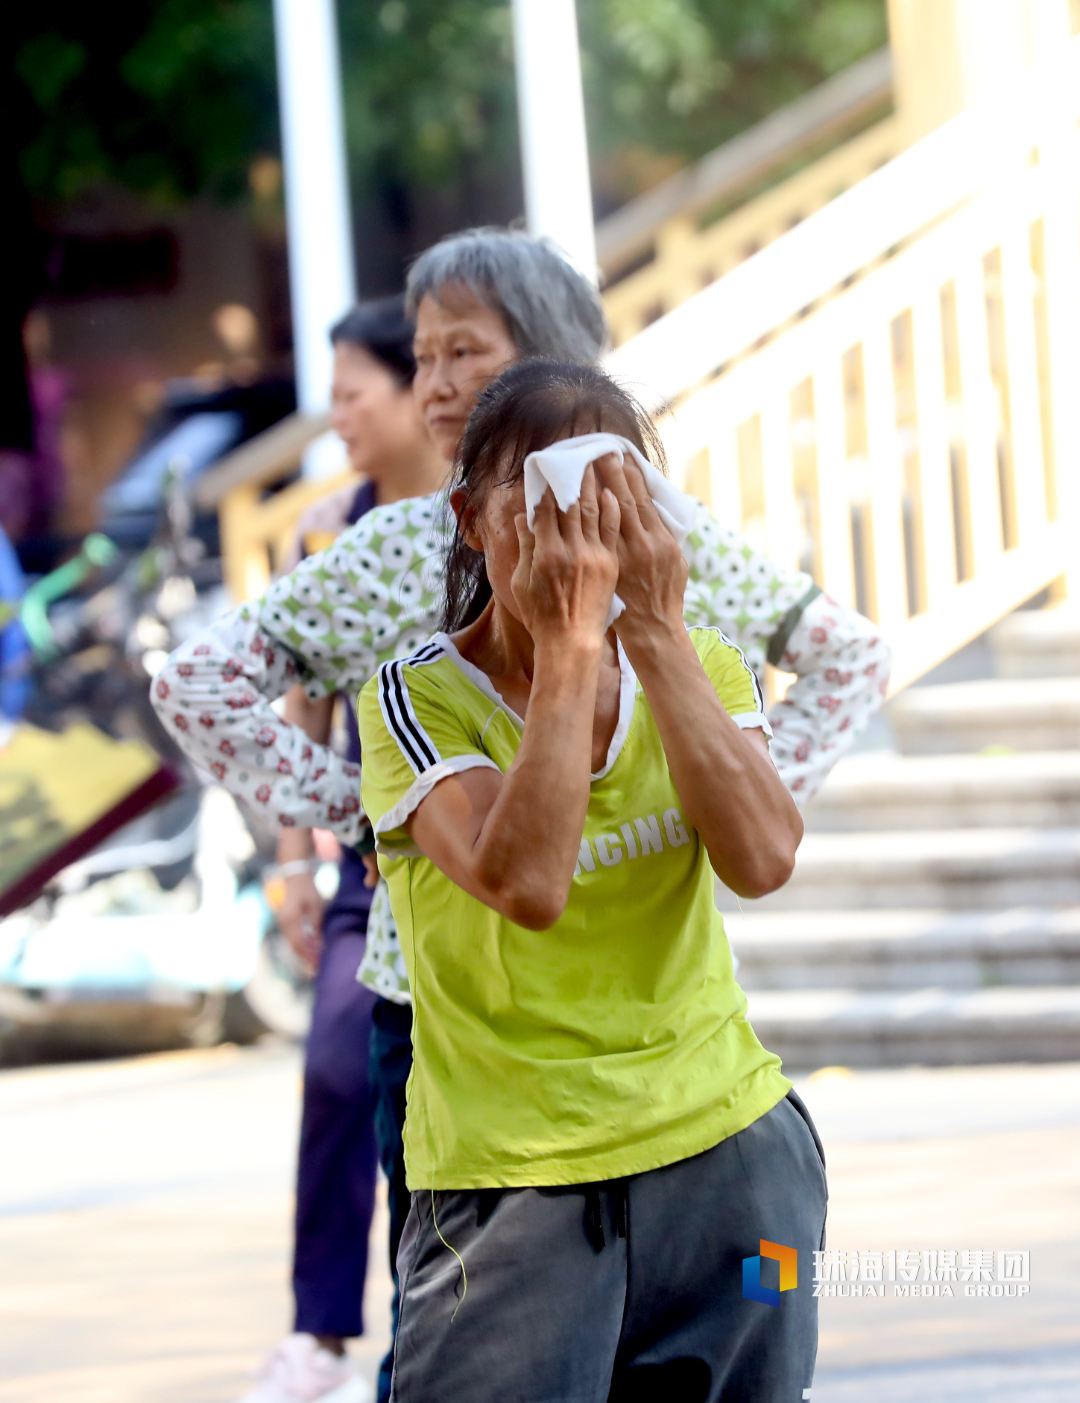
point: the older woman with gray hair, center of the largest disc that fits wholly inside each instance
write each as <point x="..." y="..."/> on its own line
<point x="482" y="300"/>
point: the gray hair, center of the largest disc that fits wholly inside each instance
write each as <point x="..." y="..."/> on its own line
<point x="549" y="308"/>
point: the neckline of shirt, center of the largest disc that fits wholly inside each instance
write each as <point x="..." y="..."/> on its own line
<point x="627" y="696"/>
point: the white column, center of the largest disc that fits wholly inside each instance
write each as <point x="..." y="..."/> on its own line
<point x="551" y="115"/>
<point x="321" y="274"/>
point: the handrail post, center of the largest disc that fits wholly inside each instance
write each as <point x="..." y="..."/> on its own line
<point x="243" y="576"/>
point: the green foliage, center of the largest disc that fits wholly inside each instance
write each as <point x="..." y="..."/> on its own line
<point x="429" y="87"/>
<point x="169" y="98"/>
<point x="675" y="78"/>
<point x="429" y="83"/>
<point x="48" y="63"/>
<point x="173" y="97"/>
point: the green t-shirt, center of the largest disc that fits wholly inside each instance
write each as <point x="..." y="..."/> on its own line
<point x="612" y="1043"/>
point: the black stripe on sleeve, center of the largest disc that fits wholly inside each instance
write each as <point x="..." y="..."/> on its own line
<point x="386" y="693"/>
<point x="398" y="710"/>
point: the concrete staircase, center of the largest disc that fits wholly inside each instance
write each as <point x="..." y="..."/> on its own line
<point x="934" y="915"/>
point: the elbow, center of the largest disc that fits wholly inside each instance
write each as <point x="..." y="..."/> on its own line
<point x="532" y="910"/>
<point x="765" y="871"/>
<point x="533" y="905"/>
<point x="763" y="877"/>
<point x="533" y="900"/>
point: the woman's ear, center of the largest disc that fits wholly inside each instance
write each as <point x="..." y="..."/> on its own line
<point x="466" y="515"/>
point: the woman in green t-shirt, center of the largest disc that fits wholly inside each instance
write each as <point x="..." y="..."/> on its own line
<point x="606" y="1165"/>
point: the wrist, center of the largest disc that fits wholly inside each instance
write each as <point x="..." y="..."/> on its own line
<point x="656" y="647"/>
<point x="295" y="867"/>
<point x="573" y="661"/>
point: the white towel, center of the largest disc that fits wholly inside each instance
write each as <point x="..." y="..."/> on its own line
<point x="562" y="468"/>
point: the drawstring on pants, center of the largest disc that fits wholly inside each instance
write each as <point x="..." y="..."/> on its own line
<point x="594" y="1217"/>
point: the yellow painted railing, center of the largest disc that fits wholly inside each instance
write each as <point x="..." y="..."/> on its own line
<point x="886" y="395"/>
<point x="690" y="256"/>
<point x="669" y="243"/>
<point x="258" y="524"/>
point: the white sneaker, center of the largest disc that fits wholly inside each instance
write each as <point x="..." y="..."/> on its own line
<point x="300" y="1371"/>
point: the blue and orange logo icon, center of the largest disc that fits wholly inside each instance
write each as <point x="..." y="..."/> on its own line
<point x="788" y="1260"/>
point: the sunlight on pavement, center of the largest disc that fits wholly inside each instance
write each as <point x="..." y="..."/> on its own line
<point x="145" y="1227"/>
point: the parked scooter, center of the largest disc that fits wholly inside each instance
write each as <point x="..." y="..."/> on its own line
<point x="161" y="936"/>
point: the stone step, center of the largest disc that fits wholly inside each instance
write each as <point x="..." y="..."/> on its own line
<point x="888" y="950"/>
<point x="883" y="790"/>
<point x="959" y="869"/>
<point x="848" y="1027"/>
<point x="1038" y="643"/>
<point x="967" y="716"/>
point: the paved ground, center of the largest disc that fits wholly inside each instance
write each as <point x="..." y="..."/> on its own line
<point x="144" y="1215"/>
<point x="955" y="1159"/>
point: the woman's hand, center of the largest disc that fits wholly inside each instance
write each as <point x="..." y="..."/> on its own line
<point x="652" y="567"/>
<point x="567" y="566"/>
<point x="300" y="917"/>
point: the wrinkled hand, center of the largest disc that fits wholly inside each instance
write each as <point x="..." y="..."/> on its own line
<point x="567" y="566"/>
<point x="300" y="917"/>
<point x="652" y="568"/>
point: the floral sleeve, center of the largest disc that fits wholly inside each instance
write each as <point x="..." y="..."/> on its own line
<point x="780" y="616"/>
<point x="738" y="589"/>
<point x="214" y="696"/>
<point x="373" y="595"/>
<point x="842" y="665"/>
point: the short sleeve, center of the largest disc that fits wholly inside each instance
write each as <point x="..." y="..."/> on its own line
<point x="735" y="681"/>
<point x="412" y="736"/>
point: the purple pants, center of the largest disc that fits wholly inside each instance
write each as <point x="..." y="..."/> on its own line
<point x="335" y="1189"/>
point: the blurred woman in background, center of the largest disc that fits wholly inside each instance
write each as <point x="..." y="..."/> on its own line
<point x="375" y="415"/>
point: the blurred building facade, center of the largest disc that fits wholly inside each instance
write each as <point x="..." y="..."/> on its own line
<point x="136" y="296"/>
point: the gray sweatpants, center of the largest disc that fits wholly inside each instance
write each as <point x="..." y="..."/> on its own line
<point x="626" y="1290"/>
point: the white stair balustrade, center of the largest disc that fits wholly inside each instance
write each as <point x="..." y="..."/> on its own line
<point x="886" y="393"/>
<point x="934" y="915"/>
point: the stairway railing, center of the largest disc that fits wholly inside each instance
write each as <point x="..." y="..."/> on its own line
<point x="667" y="244"/>
<point x="257" y="515"/>
<point x="887" y="395"/>
<point x="690" y="256"/>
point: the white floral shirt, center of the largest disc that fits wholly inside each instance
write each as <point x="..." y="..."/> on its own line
<point x="383" y="967"/>
<point x="376" y="594"/>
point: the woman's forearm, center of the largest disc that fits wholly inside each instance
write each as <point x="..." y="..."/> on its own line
<point x="315" y="719"/>
<point x="214" y="697"/>
<point x="528" y="845"/>
<point x="729" y="787"/>
<point x="295" y="845"/>
<point x="512" y="840"/>
<point x="842" y="667"/>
